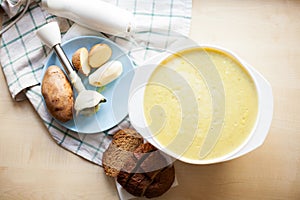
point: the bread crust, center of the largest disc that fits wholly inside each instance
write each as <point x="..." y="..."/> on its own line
<point x="120" y="150"/>
<point x="161" y="183"/>
<point x="149" y="175"/>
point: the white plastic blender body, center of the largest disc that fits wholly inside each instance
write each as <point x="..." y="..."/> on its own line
<point x="94" y="14"/>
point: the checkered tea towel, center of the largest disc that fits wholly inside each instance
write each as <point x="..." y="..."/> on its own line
<point x="23" y="57"/>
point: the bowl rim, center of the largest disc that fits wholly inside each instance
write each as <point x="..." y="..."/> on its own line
<point x="160" y="58"/>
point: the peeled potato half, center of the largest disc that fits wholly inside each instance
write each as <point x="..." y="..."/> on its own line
<point x="106" y="74"/>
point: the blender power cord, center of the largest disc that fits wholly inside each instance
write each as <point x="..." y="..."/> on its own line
<point x="18" y="17"/>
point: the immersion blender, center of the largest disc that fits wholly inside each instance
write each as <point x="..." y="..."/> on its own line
<point x="86" y="100"/>
<point x="93" y="14"/>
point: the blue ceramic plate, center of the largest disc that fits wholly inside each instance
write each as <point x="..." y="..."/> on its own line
<point x="116" y="93"/>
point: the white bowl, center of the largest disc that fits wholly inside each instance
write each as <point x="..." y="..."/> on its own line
<point x="255" y="138"/>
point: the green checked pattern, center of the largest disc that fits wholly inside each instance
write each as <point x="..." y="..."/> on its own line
<point x="23" y="57"/>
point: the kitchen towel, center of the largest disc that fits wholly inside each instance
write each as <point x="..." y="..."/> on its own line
<point x="23" y="57"/>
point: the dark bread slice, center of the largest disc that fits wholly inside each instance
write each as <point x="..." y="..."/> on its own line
<point x="131" y="166"/>
<point x="150" y="159"/>
<point x="123" y="177"/>
<point x="132" y="177"/>
<point x="120" y="150"/>
<point x="140" y="184"/>
<point x="136" y="184"/>
<point x="139" y="168"/>
<point x="126" y="171"/>
<point x="161" y="183"/>
<point x="150" y="163"/>
<point x="153" y="164"/>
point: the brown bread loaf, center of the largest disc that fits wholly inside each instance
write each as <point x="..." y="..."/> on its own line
<point x="139" y="167"/>
<point x="161" y="183"/>
<point x="127" y="170"/>
<point x="151" y="177"/>
<point x="121" y="148"/>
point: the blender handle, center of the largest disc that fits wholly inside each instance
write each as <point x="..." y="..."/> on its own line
<point x="50" y="35"/>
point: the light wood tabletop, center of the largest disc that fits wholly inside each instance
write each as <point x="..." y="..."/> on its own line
<point x="264" y="33"/>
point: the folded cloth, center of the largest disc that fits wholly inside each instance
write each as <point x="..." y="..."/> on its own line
<point x="23" y="57"/>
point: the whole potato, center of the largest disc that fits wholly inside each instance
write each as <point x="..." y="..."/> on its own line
<point x="58" y="94"/>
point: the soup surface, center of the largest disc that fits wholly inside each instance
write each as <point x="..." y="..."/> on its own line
<point x="200" y="103"/>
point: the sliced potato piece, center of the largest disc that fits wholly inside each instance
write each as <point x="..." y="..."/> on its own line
<point x="80" y="61"/>
<point x="99" y="54"/>
<point x="106" y="74"/>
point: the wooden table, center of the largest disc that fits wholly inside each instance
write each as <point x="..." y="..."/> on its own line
<point x="264" y="33"/>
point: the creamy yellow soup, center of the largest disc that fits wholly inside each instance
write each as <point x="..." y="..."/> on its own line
<point x="200" y="104"/>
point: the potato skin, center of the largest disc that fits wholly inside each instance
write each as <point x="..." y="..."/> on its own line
<point x="58" y="94"/>
<point x="76" y="59"/>
<point x="80" y="61"/>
